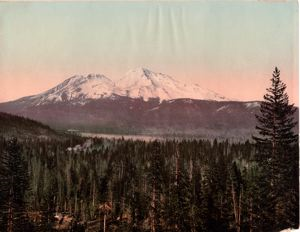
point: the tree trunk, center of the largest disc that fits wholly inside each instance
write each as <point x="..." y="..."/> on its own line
<point x="82" y="213"/>
<point x="70" y="207"/>
<point x="75" y="206"/>
<point x="104" y="223"/>
<point x="237" y="207"/>
<point x="153" y="210"/>
<point x="94" y="193"/>
<point x="191" y="169"/>
<point x="234" y="202"/>
<point x="65" y="206"/>
<point x="240" y="210"/>
<point x="251" y="216"/>
<point x="176" y="166"/>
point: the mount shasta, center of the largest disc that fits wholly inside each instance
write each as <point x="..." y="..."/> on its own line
<point x="142" y="102"/>
<point x="137" y="83"/>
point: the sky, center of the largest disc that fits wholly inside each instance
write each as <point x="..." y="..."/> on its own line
<point x="230" y="47"/>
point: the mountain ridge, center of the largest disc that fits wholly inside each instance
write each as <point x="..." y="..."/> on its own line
<point x="25" y="128"/>
<point x="136" y="83"/>
<point x="125" y="115"/>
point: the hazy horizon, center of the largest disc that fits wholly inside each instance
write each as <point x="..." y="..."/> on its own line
<point x="228" y="47"/>
<point x="116" y="81"/>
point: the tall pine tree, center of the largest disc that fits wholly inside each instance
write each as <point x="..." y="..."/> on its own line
<point x="277" y="154"/>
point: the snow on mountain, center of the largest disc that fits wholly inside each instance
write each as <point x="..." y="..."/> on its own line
<point x="252" y="104"/>
<point x="137" y="83"/>
<point x="78" y="88"/>
<point x="143" y="83"/>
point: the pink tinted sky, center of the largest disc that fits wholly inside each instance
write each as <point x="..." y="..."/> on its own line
<point x="229" y="47"/>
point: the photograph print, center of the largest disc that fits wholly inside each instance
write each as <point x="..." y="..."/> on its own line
<point x="149" y="116"/>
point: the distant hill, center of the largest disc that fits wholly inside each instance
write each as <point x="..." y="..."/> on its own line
<point x="20" y="127"/>
<point x="124" y="115"/>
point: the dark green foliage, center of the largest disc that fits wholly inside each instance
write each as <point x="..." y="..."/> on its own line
<point x="277" y="156"/>
<point x="14" y="181"/>
<point x="138" y="210"/>
<point x="156" y="184"/>
<point x="136" y="179"/>
<point x="178" y="199"/>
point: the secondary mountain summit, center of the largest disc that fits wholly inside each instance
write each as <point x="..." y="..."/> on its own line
<point x="137" y="83"/>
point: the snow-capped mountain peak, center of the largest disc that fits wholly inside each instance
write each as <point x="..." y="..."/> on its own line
<point x="136" y="83"/>
<point x="143" y="83"/>
<point x="77" y="89"/>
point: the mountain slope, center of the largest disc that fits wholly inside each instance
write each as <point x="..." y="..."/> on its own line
<point x="143" y="83"/>
<point x="136" y="116"/>
<point x="20" y="127"/>
<point x="125" y="115"/>
<point x="77" y="89"/>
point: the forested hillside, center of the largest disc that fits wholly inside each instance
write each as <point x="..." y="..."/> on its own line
<point x="16" y="126"/>
<point x="139" y="186"/>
